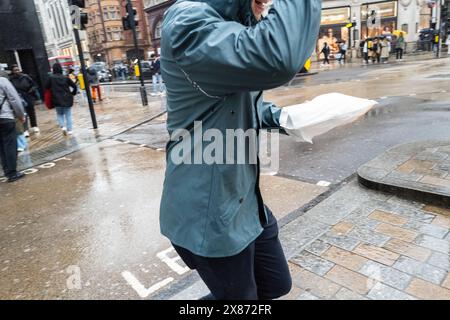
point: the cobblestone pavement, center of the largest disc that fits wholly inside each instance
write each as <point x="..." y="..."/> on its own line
<point x="361" y="244"/>
<point x="419" y="170"/>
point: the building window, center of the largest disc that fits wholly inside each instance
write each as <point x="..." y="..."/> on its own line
<point x="117" y="34"/>
<point x="64" y="19"/>
<point x="158" y="30"/>
<point x="113" y="13"/>
<point x="109" y="34"/>
<point x="105" y="15"/>
<point x="57" y="26"/>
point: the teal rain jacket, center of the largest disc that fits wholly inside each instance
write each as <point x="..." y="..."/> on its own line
<point x="216" y="61"/>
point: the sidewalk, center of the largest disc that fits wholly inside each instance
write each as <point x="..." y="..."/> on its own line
<point x="358" y="62"/>
<point x="415" y="171"/>
<point x="363" y="244"/>
<point x="117" y="113"/>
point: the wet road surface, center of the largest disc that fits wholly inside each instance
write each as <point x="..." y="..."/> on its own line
<point x="86" y="226"/>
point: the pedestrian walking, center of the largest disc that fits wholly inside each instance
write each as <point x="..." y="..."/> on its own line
<point x="447" y="43"/>
<point x="62" y="98"/>
<point x="216" y="59"/>
<point x="95" y="85"/>
<point x="384" y="50"/>
<point x="156" y="75"/>
<point x="343" y="52"/>
<point x="400" y="47"/>
<point x="22" y="142"/>
<point x="326" y="53"/>
<point x="365" y="51"/>
<point x="11" y="108"/>
<point x="376" y="51"/>
<point x="26" y="87"/>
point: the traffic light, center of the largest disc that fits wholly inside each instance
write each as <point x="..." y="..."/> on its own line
<point x="446" y="16"/>
<point x="83" y="20"/>
<point x="126" y="23"/>
<point x="78" y="3"/>
<point x="373" y="17"/>
<point x="79" y="18"/>
<point x="130" y="21"/>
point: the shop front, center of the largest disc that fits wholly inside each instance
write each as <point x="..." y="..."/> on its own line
<point x="333" y="28"/>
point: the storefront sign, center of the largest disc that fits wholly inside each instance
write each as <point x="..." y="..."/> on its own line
<point x="335" y="16"/>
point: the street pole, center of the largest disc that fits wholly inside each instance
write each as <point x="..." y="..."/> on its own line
<point x="438" y="27"/>
<point x="136" y="48"/>
<point x="85" y="78"/>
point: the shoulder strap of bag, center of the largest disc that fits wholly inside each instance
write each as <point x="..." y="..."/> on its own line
<point x="3" y="102"/>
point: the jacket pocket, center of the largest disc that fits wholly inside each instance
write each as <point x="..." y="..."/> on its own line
<point x="233" y="206"/>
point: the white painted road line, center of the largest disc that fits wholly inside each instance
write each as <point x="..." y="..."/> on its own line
<point x="171" y="262"/>
<point x="140" y="289"/>
<point x="323" y="183"/>
<point x="30" y="171"/>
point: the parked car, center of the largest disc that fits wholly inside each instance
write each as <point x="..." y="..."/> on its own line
<point x="147" y="71"/>
<point x="104" y="75"/>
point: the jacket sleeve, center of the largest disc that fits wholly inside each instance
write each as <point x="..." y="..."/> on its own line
<point x="270" y="116"/>
<point x="14" y="100"/>
<point x="226" y="57"/>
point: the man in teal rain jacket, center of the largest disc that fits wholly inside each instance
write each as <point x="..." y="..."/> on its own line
<point x="216" y="59"/>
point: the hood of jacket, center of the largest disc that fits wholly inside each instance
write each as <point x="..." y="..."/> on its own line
<point x="233" y="10"/>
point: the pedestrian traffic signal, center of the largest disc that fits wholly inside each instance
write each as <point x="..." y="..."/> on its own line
<point x="129" y="22"/>
<point x="126" y="23"/>
<point x="79" y="18"/>
<point x="83" y="20"/>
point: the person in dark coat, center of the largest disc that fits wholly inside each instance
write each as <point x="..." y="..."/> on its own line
<point x="11" y="108"/>
<point x="62" y="97"/>
<point x="326" y="52"/>
<point x="26" y="87"/>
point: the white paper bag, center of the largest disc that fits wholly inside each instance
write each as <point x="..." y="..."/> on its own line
<point x="324" y="113"/>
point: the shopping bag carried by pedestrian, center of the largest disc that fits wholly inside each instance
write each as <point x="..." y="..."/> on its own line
<point x="48" y="99"/>
<point x="322" y="114"/>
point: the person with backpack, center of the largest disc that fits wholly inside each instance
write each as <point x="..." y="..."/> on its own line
<point x="26" y="87"/>
<point x="62" y="97"/>
<point x="11" y="108"/>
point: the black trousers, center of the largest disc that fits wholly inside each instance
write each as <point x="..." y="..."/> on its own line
<point x="399" y="53"/>
<point x="31" y="111"/>
<point x="259" y="272"/>
<point x="8" y="147"/>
